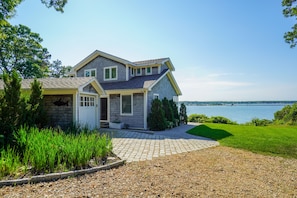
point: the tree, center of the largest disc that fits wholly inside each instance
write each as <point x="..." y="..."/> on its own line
<point x="20" y="50"/>
<point x="290" y="10"/>
<point x="183" y="113"/>
<point x="168" y="110"/>
<point x="11" y="106"/>
<point x="7" y="7"/>
<point x="36" y="115"/>
<point x="57" y="70"/>
<point x="156" y="119"/>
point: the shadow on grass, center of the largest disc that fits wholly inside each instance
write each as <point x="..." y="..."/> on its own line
<point x="205" y="131"/>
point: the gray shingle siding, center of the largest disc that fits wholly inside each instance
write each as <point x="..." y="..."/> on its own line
<point x="164" y="89"/>
<point x="100" y="63"/>
<point x="59" y="115"/>
<point x="134" y="121"/>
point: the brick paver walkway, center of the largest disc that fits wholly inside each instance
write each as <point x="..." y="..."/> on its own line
<point x="135" y="146"/>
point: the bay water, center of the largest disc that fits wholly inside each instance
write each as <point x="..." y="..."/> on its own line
<point x="240" y="113"/>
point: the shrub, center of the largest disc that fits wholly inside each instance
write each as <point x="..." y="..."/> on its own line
<point x="156" y="119"/>
<point x="183" y="114"/>
<point x="259" y="122"/>
<point x="221" y="120"/>
<point x="201" y="118"/>
<point x="167" y="110"/>
<point x="287" y="115"/>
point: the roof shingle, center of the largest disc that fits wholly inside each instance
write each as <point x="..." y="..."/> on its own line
<point x="138" y="82"/>
<point x="55" y="83"/>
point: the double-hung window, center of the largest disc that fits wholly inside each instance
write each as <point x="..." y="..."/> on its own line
<point x="127" y="104"/>
<point x="90" y="73"/>
<point x="111" y="73"/>
<point x="138" y="71"/>
<point x="132" y="71"/>
<point x="148" y="71"/>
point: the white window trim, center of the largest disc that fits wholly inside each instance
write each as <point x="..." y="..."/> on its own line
<point x="148" y="73"/>
<point x="90" y="70"/>
<point x="139" y="74"/>
<point x="127" y="114"/>
<point x="87" y="101"/>
<point x="132" y="71"/>
<point x="156" y="96"/>
<point x="110" y="73"/>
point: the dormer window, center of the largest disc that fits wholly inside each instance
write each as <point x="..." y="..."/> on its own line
<point x="148" y="71"/>
<point x="138" y="72"/>
<point x="90" y="73"/>
<point x="132" y="71"/>
<point x="111" y="73"/>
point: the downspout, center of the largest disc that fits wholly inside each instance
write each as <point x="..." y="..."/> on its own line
<point x="145" y="98"/>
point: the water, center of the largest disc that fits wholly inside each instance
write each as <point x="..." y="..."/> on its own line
<point x="239" y="113"/>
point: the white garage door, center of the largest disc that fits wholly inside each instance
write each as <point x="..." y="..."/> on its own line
<point x="87" y="111"/>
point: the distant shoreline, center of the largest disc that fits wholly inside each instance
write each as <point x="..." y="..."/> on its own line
<point x="231" y="103"/>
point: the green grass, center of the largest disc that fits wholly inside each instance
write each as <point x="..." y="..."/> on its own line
<point x="49" y="150"/>
<point x="269" y="140"/>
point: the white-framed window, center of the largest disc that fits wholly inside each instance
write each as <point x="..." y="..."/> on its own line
<point x="148" y="71"/>
<point x="138" y="71"/>
<point x="175" y="98"/>
<point x="90" y="73"/>
<point x="87" y="101"/>
<point x="127" y="104"/>
<point x="156" y="96"/>
<point x="111" y="73"/>
<point x="132" y="71"/>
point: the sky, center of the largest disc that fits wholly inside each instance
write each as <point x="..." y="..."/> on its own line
<point x="222" y="50"/>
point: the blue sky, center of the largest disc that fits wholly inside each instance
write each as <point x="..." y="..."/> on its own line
<point x="221" y="50"/>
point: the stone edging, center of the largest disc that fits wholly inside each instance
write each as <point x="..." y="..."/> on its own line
<point x="63" y="175"/>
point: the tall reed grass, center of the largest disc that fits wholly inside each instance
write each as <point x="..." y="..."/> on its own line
<point x="49" y="150"/>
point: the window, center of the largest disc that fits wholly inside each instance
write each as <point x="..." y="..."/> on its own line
<point x="156" y="96"/>
<point x="90" y="73"/>
<point x="175" y="98"/>
<point x="132" y="71"/>
<point x="138" y="72"/>
<point x="110" y="73"/>
<point x="148" y="71"/>
<point x="87" y="101"/>
<point x="126" y="104"/>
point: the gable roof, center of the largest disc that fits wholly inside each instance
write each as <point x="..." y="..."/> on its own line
<point x="144" y="63"/>
<point x="74" y="83"/>
<point x="142" y="82"/>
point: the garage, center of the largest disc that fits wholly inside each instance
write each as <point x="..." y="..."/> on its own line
<point x="88" y="113"/>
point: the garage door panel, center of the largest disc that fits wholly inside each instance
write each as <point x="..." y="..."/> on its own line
<point x="87" y="111"/>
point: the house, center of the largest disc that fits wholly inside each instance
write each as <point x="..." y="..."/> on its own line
<point x="128" y="87"/>
<point x="69" y="100"/>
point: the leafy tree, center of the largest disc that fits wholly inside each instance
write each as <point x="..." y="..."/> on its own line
<point x="20" y="50"/>
<point x="290" y="10"/>
<point x="7" y="7"/>
<point x="156" y="119"/>
<point x="287" y="115"/>
<point x="57" y="70"/>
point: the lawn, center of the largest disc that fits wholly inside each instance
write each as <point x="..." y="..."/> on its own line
<point x="269" y="140"/>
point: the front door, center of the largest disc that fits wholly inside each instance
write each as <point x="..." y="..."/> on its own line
<point x="103" y="108"/>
